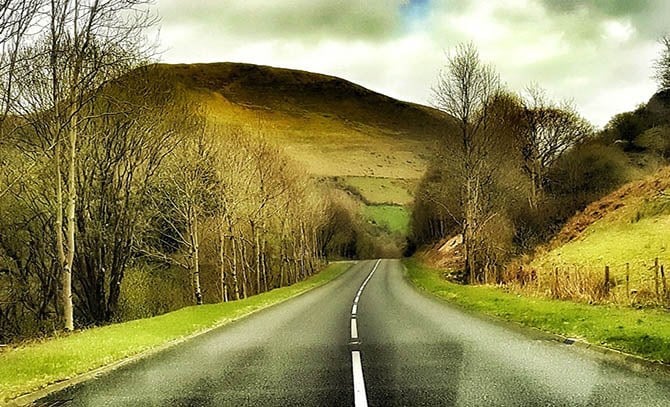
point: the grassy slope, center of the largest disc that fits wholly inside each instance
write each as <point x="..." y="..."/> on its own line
<point x="631" y="225"/>
<point x="330" y="125"/>
<point x="383" y="190"/>
<point x="30" y="367"/>
<point x="642" y="332"/>
<point x="374" y="144"/>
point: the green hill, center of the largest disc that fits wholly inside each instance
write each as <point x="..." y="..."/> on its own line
<point x="332" y="126"/>
<point x="370" y="145"/>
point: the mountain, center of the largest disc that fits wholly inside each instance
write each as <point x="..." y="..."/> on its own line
<point x="332" y="126"/>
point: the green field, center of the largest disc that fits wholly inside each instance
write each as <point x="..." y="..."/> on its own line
<point x="30" y="367"/>
<point x="378" y="190"/>
<point x="393" y="218"/>
<point x="642" y="332"/>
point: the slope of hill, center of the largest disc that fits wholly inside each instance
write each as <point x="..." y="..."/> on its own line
<point x="630" y="226"/>
<point x="332" y="126"/>
<point x="370" y="145"/>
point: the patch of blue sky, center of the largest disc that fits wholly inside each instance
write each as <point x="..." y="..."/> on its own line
<point x="414" y="12"/>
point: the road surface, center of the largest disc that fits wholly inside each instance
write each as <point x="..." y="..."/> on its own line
<point x="370" y="338"/>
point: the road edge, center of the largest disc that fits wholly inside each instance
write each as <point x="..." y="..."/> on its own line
<point x="29" y="398"/>
<point x="633" y="362"/>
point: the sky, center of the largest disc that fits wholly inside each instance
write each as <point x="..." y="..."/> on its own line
<point x="597" y="53"/>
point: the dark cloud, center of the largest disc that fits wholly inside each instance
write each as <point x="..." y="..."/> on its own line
<point x="306" y="20"/>
<point x="650" y="17"/>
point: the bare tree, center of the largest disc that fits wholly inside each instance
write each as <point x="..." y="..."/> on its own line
<point x="184" y="199"/>
<point x="125" y="146"/>
<point x="549" y="131"/>
<point x="464" y="90"/>
<point x="662" y="64"/>
<point x="85" y="44"/>
<point x="17" y="18"/>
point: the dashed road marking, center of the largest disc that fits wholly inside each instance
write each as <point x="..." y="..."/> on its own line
<point x="360" y="399"/>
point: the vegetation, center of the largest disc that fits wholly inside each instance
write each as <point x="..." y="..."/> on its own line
<point x="34" y="365"/>
<point x="662" y="65"/>
<point x="391" y="217"/>
<point x="642" y="332"/>
<point x="627" y="232"/>
<point x="111" y="167"/>
<point x="522" y="166"/>
<point x="380" y="191"/>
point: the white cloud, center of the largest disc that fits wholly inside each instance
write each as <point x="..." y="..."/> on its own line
<point x="601" y="61"/>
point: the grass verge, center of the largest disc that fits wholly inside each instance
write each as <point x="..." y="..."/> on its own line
<point x="28" y="368"/>
<point x="643" y="332"/>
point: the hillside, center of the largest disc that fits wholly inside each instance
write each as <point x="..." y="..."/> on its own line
<point x="369" y="145"/>
<point x="629" y="226"/>
<point x="332" y="126"/>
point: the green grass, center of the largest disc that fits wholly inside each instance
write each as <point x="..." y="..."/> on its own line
<point x="636" y="233"/>
<point x="32" y="366"/>
<point x="391" y="217"/>
<point x="378" y="190"/>
<point x="642" y="332"/>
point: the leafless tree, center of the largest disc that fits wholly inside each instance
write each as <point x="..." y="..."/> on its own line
<point x="549" y="131"/>
<point x="85" y="44"/>
<point x="465" y="90"/>
<point x="662" y="64"/>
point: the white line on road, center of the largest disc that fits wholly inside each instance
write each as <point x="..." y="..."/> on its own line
<point x="360" y="399"/>
<point x="354" y="329"/>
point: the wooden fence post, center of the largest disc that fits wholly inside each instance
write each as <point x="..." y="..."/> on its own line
<point x="607" y="280"/>
<point x="628" y="281"/>
<point x="556" y="282"/>
<point x="665" y="284"/>
<point x="656" y="283"/>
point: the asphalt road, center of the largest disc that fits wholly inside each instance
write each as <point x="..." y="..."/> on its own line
<point x="370" y="339"/>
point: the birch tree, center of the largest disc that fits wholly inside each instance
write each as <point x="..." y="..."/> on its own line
<point x="84" y="45"/>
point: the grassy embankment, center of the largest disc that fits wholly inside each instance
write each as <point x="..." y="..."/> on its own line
<point x="627" y="230"/>
<point x="393" y="218"/>
<point x="32" y="366"/>
<point x="644" y="332"/>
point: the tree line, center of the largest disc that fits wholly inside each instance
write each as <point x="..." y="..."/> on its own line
<point x="108" y="169"/>
<point x="512" y="167"/>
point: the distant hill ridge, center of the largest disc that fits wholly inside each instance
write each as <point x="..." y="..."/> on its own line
<point x="298" y="92"/>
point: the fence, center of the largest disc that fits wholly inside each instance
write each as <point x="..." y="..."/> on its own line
<point x="636" y="285"/>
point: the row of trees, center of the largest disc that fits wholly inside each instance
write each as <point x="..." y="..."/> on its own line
<point x="490" y="181"/>
<point x="107" y="166"/>
<point x="513" y="167"/>
<point x="58" y="56"/>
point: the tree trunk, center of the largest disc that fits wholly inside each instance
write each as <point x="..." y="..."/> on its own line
<point x="196" y="257"/>
<point x="233" y="243"/>
<point x="65" y="269"/>
<point x="68" y="309"/>
<point x="222" y="263"/>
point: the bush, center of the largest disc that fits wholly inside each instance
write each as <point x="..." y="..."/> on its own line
<point x="150" y="290"/>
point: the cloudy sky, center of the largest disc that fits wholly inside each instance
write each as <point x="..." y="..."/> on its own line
<point x="598" y="53"/>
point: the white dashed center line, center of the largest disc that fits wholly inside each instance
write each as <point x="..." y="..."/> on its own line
<point x="354" y="329"/>
<point x="360" y="399"/>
